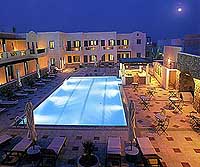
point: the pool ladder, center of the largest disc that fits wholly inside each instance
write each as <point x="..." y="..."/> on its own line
<point x="19" y="119"/>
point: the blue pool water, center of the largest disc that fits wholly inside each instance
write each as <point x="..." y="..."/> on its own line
<point x="83" y="101"/>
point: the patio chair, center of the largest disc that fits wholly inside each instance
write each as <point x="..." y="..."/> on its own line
<point x="39" y="83"/>
<point x="51" y="153"/>
<point x="162" y="123"/>
<point x="30" y="90"/>
<point x="19" y="94"/>
<point x="114" y="149"/>
<point x="5" y="138"/>
<point x="17" y="152"/>
<point x="145" y="101"/>
<point x="195" y="120"/>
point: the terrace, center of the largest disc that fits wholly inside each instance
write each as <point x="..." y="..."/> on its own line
<point x="177" y="146"/>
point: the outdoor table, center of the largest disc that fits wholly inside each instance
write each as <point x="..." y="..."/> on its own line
<point x="135" y="86"/>
<point x="151" y="91"/>
<point x="131" y="154"/>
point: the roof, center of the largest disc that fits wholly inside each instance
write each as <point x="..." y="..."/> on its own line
<point x="137" y="60"/>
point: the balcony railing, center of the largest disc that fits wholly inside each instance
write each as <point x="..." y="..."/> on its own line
<point x="108" y="47"/>
<point x="123" y="47"/>
<point x="74" y="49"/>
<point x="39" y="51"/>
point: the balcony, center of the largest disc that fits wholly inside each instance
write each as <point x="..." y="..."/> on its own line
<point x="39" y="51"/>
<point x="74" y="49"/>
<point x="108" y="47"/>
<point x="91" y="48"/>
<point x="123" y="47"/>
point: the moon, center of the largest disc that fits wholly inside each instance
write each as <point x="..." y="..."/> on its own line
<point x="179" y="9"/>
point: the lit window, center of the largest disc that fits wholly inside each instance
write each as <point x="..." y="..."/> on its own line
<point x="125" y="42"/>
<point x="93" y="42"/>
<point x="111" y="57"/>
<point x="51" y="44"/>
<point x="93" y="58"/>
<point x="111" y="42"/>
<point x="77" y="44"/>
<point x="76" y="58"/>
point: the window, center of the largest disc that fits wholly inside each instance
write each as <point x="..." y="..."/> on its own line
<point x="10" y="71"/>
<point x="51" y="44"/>
<point x="118" y="56"/>
<point x="110" y="57"/>
<point x="85" y="58"/>
<point x="118" y="42"/>
<point x="103" y="43"/>
<point x="139" y="54"/>
<point x="93" y="42"/>
<point x="53" y="61"/>
<point x="127" y="55"/>
<point x="69" y="59"/>
<point x="138" y="34"/>
<point x="103" y="58"/>
<point x="77" y="44"/>
<point x="93" y="58"/>
<point x="111" y="42"/>
<point x="28" y="45"/>
<point x="125" y="42"/>
<point x="85" y="43"/>
<point x="76" y="59"/>
<point x="139" y="41"/>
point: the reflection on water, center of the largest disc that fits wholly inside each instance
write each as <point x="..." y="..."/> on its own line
<point x="83" y="101"/>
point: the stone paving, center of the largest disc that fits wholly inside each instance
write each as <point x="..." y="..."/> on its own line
<point x="180" y="147"/>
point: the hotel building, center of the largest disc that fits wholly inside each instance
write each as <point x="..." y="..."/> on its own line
<point x="23" y="51"/>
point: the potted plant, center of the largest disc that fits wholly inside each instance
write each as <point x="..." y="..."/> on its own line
<point x="88" y="159"/>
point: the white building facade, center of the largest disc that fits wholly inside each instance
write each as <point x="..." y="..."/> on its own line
<point x="74" y="49"/>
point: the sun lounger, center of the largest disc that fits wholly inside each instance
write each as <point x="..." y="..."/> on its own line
<point x="21" y="94"/>
<point x="18" y="151"/>
<point x="30" y="90"/>
<point x="8" y="102"/>
<point x="51" y="153"/>
<point x="114" y="149"/>
<point x="4" y="138"/>
<point x="149" y="154"/>
<point x="45" y="80"/>
<point x="39" y="84"/>
<point x="2" y="109"/>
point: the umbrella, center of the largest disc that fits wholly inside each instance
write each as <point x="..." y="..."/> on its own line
<point x="19" y="83"/>
<point x="32" y="134"/>
<point x="38" y="70"/>
<point x="131" y="122"/>
<point x="49" y="67"/>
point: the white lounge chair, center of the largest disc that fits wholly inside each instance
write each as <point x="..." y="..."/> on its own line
<point x="45" y="80"/>
<point x="13" y="155"/>
<point x="8" y="102"/>
<point x="4" y="138"/>
<point x="30" y="90"/>
<point x="21" y="94"/>
<point x="51" y="153"/>
<point x="39" y="83"/>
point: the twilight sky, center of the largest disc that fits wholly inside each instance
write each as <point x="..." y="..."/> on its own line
<point x="158" y="18"/>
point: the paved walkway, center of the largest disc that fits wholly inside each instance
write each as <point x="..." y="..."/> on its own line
<point x="180" y="146"/>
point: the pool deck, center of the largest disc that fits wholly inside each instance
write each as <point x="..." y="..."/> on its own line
<point x="180" y="147"/>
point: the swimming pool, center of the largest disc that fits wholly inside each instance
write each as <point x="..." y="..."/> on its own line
<point x="92" y="101"/>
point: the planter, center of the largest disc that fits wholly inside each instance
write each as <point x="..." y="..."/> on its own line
<point x="82" y="165"/>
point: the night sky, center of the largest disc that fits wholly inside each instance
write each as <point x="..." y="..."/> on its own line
<point x="158" y="18"/>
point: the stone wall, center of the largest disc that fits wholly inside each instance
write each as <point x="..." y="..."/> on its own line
<point x="189" y="63"/>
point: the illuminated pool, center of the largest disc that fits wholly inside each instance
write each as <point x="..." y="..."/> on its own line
<point x="88" y="101"/>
